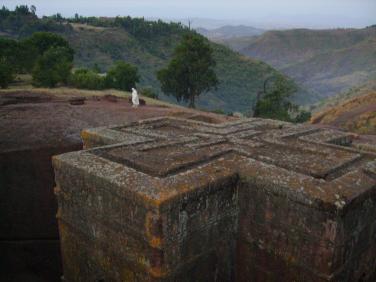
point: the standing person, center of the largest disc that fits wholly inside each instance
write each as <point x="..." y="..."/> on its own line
<point x="135" y="100"/>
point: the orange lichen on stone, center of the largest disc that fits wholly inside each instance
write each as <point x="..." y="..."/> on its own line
<point x="152" y="224"/>
<point x="171" y="199"/>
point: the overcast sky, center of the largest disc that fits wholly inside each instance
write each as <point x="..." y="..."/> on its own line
<point x="261" y="13"/>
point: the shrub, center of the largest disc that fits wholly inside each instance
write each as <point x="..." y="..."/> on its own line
<point x="53" y="67"/>
<point x="87" y="79"/>
<point x="6" y="74"/>
<point x="219" y="112"/>
<point x="122" y="76"/>
<point x="148" y="92"/>
<point x="303" y="116"/>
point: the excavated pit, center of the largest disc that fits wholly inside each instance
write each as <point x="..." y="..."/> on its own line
<point x="34" y="127"/>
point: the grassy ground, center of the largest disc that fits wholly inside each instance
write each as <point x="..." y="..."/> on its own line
<point x="23" y="83"/>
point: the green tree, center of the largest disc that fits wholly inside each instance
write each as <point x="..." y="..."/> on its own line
<point x="6" y="74"/>
<point x="274" y="103"/>
<point x="191" y="70"/>
<point x="17" y="54"/>
<point x="43" y="41"/>
<point x="8" y="61"/>
<point x="53" y="67"/>
<point x="122" y="76"/>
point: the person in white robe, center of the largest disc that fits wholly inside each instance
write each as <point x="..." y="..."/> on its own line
<point x="135" y="100"/>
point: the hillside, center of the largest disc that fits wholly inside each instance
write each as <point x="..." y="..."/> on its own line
<point x="229" y="32"/>
<point x="325" y="62"/>
<point x="354" y="110"/>
<point x="363" y="89"/>
<point x="148" y="45"/>
<point x="239" y="77"/>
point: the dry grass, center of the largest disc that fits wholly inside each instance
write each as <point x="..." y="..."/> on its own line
<point x="330" y="114"/>
<point x="357" y="114"/>
<point x="77" y="26"/>
<point x="67" y="91"/>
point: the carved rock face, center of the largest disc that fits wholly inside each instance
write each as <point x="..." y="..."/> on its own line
<point x="170" y="199"/>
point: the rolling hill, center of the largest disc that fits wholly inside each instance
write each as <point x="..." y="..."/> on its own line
<point x="240" y="77"/>
<point x="325" y="62"/>
<point x="354" y="110"/>
<point x="149" y="46"/>
<point x="229" y="32"/>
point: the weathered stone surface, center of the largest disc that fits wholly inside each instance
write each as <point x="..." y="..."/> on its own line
<point x="34" y="126"/>
<point x="171" y="199"/>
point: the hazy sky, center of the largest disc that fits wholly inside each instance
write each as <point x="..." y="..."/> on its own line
<point x="262" y="13"/>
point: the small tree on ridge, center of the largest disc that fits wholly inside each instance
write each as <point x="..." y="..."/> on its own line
<point x="191" y="70"/>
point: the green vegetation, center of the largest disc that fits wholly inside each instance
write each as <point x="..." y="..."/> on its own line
<point x="49" y="58"/>
<point x="303" y="116"/>
<point x="53" y="67"/>
<point x="324" y="62"/>
<point x="149" y="45"/>
<point x="87" y="79"/>
<point x="46" y="55"/>
<point x="275" y="103"/>
<point x="6" y="74"/>
<point x="17" y="54"/>
<point x="148" y="92"/>
<point x="122" y="76"/>
<point x="7" y="61"/>
<point x="23" y="22"/>
<point x="40" y="42"/>
<point x="190" y="71"/>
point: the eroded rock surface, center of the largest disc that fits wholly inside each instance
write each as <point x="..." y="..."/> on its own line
<point x="34" y="127"/>
<point x="170" y="199"/>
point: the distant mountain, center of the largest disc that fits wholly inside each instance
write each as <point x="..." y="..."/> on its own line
<point x="229" y="32"/>
<point x="325" y="62"/>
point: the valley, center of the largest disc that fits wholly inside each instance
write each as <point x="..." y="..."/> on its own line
<point x="324" y="62"/>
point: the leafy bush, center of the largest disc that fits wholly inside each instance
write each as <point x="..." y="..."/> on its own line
<point x="122" y="76"/>
<point x="15" y="54"/>
<point x="303" y="116"/>
<point x="275" y="103"/>
<point x="219" y="112"/>
<point x="87" y="79"/>
<point x="43" y="41"/>
<point x="6" y="74"/>
<point x="53" y="67"/>
<point x="148" y="92"/>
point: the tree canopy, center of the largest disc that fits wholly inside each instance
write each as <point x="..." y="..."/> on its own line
<point x="53" y="67"/>
<point x="42" y="41"/>
<point x="191" y="70"/>
<point x="275" y="102"/>
<point x="122" y="76"/>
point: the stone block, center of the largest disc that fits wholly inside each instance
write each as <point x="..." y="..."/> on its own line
<point x="171" y="199"/>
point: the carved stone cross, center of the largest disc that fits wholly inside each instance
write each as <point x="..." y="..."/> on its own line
<point x="171" y="199"/>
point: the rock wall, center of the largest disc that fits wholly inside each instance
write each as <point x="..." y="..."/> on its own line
<point x="252" y="200"/>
